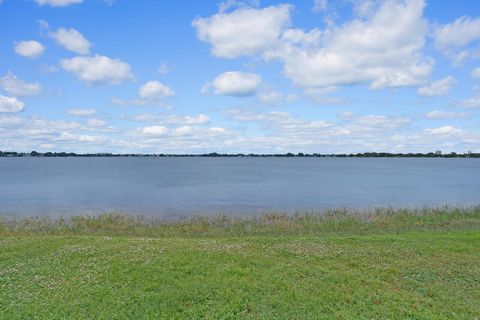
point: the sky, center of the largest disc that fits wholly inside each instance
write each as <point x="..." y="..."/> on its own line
<point x="251" y="76"/>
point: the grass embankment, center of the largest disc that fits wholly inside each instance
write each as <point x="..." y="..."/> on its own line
<point x="421" y="264"/>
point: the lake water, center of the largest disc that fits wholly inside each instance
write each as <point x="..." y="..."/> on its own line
<point x="185" y="186"/>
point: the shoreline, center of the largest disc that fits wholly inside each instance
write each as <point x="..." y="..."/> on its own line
<point x="266" y="224"/>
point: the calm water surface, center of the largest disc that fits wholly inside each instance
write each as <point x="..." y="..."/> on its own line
<point x="183" y="186"/>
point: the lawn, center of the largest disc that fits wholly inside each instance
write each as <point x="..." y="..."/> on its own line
<point x="388" y="264"/>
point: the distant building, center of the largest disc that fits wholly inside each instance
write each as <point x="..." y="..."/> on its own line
<point x="438" y="153"/>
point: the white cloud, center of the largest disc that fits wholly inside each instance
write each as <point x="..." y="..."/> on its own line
<point x="188" y="119"/>
<point x="278" y="132"/>
<point x="283" y="122"/>
<point x="183" y="131"/>
<point x="140" y="102"/>
<point x="58" y="3"/>
<point x="285" y="132"/>
<point x="381" y="122"/>
<point x="29" y="49"/>
<point x="182" y="139"/>
<point x="320" y="5"/>
<point x="172" y="118"/>
<point x="73" y="138"/>
<point x="438" y="88"/>
<point x="151" y="93"/>
<point x="299" y="37"/>
<point x="96" y="122"/>
<point x="217" y="130"/>
<point x="16" y="87"/>
<point x="34" y="133"/>
<point x="98" y="69"/>
<point x="271" y="97"/>
<point x="365" y="8"/>
<point x="154" y="130"/>
<point x="10" y="104"/>
<point x="237" y="84"/>
<point x="346" y="115"/>
<point x="458" y="33"/>
<point x="471" y="103"/>
<point x="245" y="31"/>
<point x="383" y="49"/>
<point x="475" y="73"/>
<point x="155" y="90"/>
<point x="438" y="114"/>
<point x="71" y="40"/>
<point x="443" y="131"/>
<point x="82" y="112"/>
<point x="322" y="95"/>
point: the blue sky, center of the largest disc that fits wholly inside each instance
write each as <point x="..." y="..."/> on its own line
<point x="239" y="76"/>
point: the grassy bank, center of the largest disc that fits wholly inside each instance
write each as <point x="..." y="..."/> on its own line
<point x="387" y="264"/>
<point x="337" y="222"/>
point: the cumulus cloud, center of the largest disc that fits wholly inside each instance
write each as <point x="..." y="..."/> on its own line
<point x="443" y="131"/>
<point x="453" y="37"/>
<point x="81" y="112"/>
<point x="182" y="139"/>
<point x="382" y="49"/>
<point x="16" y="87"/>
<point x="71" y="40"/>
<point x="287" y="132"/>
<point x="10" y="104"/>
<point x="155" y="90"/>
<point x="29" y="49"/>
<point x="438" y="88"/>
<point x="36" y="133"/>
<point x="237" y="84"/>
<point x="245" y="31"/>
<point x="58" y="3"/>
<point x="151" y="93"/>
<point x="154" y="130"/>
<point x="98" y="69"/>
<point x="438" y="114"/>
<point x="278" y="132"/>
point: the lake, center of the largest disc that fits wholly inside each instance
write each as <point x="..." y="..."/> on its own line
<point x="190" y="186"/>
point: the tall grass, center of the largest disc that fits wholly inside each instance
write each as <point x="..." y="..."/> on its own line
<point x="338" y="221"/>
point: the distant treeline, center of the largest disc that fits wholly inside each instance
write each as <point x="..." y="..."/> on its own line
<point x="436" y="154"/>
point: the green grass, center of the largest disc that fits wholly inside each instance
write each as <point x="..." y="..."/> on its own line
<point x="387" y="264"/>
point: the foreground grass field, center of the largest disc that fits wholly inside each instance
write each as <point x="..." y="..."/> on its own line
<point x="422" y="264"/>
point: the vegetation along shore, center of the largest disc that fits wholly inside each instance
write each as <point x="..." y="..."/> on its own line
<point x="436" y="154"/>
<point x="381" y="264"/>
